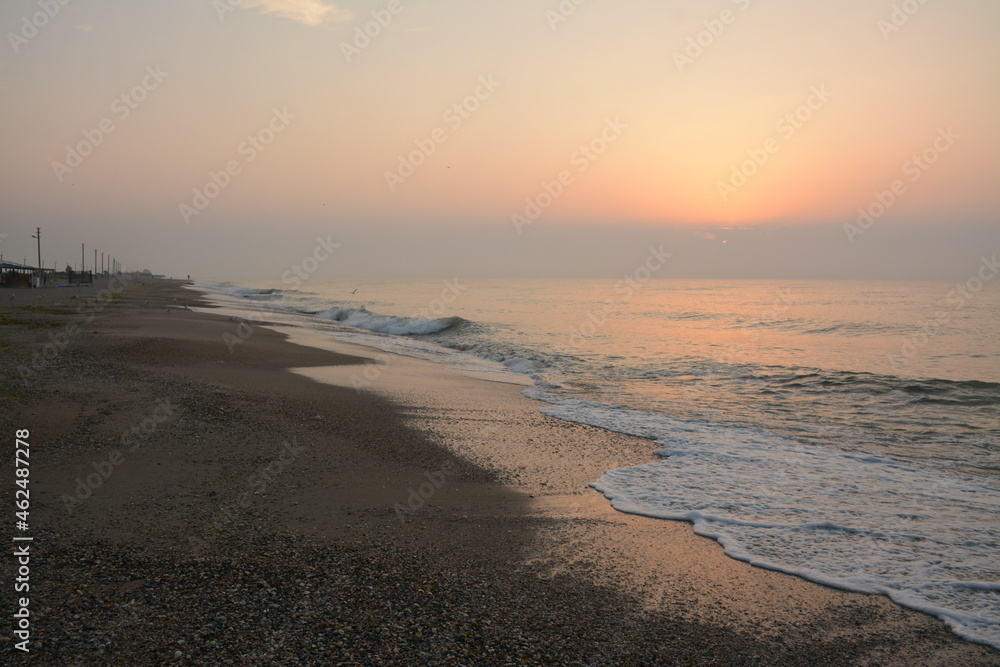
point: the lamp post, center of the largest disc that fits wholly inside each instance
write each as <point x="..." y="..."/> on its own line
<point x="41" y="272"/>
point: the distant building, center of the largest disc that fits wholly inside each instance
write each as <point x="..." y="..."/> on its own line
<point x="146" y="273"/>
<point x="13" y="274"/>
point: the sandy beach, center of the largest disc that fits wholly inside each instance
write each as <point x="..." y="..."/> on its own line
<point x="207" y="492"/>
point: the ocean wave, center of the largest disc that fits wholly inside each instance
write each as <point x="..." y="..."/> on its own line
<point x="808" y="326"/>
<point x="813" y="511"/>
<point x="854" y="329"/>
<point x="398" y="325"/>
<point x="520" y="365"/>
<point x="251" y="293"/>
<point x="870" y="481"/>
<point x="970" y="392"/>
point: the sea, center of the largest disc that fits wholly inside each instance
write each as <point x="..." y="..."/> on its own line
<point x="847" y="432"/>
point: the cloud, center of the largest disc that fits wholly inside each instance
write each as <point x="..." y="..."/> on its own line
<point x="310" y="12"/>
<point x="85" y="28"/>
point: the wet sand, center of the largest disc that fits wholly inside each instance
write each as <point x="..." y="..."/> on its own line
<point x="252" y="514"/>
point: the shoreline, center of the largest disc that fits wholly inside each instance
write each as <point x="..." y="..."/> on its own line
<point x="508" y="557"/>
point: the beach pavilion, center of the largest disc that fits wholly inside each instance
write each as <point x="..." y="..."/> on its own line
<point x="13" y="274"/>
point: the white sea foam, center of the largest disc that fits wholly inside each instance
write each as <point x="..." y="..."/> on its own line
<point x="390" y="324"/>
<point x="927" y="539"/>
<point x="455" y="361"/>
<point x="891" y="487"/>
<point x="519" y="365"/>
<point x="251" y="293"/>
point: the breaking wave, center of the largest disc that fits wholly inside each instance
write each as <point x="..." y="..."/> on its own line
<point x="390" y="324"/>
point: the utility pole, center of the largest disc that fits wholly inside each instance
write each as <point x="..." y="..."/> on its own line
<point x="41" y="272"/>
<point x="83" y="263"/>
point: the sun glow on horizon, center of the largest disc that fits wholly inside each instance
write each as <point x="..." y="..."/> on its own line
<point x="468" y="115"/>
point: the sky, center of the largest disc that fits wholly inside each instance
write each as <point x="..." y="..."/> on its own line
<point x="232" y="139"/>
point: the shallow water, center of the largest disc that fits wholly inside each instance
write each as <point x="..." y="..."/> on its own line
<point x="843" y="431"/>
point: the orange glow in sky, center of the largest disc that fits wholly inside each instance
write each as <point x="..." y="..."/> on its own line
<point x="644" y="114"/>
